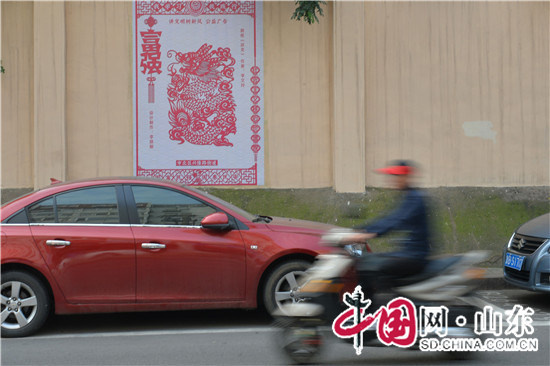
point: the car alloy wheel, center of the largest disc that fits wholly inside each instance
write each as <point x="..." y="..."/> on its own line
<point x="283" y="284"/>
<point x="24" y="304"/>
<point x="286" y="290"/>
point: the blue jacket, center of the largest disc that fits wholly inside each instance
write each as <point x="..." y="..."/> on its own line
<point x="410" y="216"/>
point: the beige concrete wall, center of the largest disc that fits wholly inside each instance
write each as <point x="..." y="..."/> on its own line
<point x="17" y="94"/>
<point x="297" y="73"/>
<point x="50" y="132"/>
<point x="69" y="114"/>
<point x="99" y="89"/>
<point x="432" y="67"/>
<point x="463" y="88"/>
<point x="348" y="123"/>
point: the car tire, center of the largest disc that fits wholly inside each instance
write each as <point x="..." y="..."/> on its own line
<point x="25" y="304"/>
<point x="281" y="284"/>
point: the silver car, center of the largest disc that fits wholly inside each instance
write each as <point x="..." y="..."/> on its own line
<point x="526" y="258"/>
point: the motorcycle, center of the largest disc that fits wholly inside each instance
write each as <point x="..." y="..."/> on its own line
<point x="329" y="287"/>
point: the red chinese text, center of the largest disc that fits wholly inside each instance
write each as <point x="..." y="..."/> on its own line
<point x="150" y="57"/>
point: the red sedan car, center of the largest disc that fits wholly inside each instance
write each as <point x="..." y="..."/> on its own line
<point x="131" y="244"/>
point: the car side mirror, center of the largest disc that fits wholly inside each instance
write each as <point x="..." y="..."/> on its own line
<point x="216" y="221"/>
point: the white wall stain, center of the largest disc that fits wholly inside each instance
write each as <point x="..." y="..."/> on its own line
<point x="481" y="129"/>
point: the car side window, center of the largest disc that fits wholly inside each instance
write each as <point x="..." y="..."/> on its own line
<point x="42" y="212"/>
<point x="159" y="206"/>
<point x="97" y="205"/>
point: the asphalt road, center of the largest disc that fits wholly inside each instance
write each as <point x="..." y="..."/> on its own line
<point x="233" y="338"/>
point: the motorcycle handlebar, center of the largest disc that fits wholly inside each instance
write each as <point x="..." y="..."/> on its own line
<point x="339" y="238"/>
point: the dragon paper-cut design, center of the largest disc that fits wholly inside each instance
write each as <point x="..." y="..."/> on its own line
<point x="202" y="107"/>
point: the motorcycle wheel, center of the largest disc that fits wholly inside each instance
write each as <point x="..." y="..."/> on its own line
<point x="301" y="344"/>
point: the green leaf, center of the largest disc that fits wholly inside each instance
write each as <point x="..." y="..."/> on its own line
<point x="308" y="11"/>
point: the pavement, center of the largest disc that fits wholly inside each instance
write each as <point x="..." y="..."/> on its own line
<point x="494" y="280"/>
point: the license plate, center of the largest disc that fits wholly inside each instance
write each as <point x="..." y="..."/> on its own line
<point x="514" y="261"/>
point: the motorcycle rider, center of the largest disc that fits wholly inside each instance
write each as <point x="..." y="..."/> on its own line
<point x="411" y="217"/>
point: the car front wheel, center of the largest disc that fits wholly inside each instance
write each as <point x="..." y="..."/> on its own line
<point x="282" y="285"/>
<point x="25" y="304"/>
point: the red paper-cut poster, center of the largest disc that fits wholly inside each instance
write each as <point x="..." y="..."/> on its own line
<point x="198" y="91"/>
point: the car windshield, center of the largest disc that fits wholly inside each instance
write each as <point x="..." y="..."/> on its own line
<point x="221" y="202"/>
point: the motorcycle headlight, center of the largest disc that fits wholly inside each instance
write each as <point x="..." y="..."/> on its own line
<point x="355" y="250"/>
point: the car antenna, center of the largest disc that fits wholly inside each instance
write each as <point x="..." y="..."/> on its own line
<point x="54" y="181"/>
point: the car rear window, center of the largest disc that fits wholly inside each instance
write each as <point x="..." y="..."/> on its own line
<point x="19" y="217"/>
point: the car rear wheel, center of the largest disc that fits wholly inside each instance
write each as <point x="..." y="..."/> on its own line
<point x="25" y="304"/>
<point x="282" y="285"/>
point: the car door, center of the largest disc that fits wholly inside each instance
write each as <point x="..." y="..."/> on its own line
<point x="87" y="243"/>
<point x="176" y="259"/>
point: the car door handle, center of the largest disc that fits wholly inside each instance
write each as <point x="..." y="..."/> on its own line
<point x="152" y="246"/>
<point x="58" y="243"/>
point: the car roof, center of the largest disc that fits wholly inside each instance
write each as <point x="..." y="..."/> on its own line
<point x="107" y="180"/>
<point x="15" y="205"/>
<point x="58" y="186"/>
<point x="112" y="180"/>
